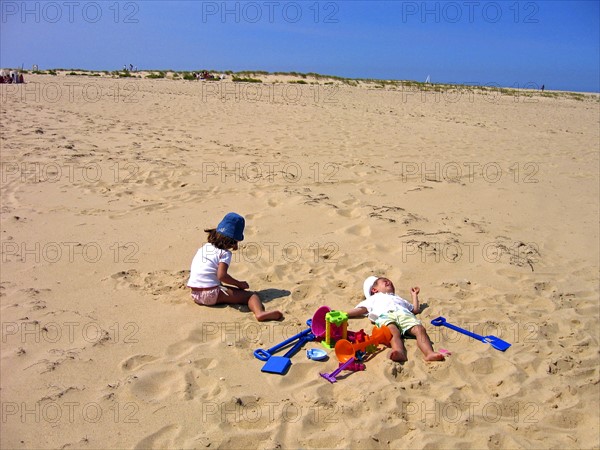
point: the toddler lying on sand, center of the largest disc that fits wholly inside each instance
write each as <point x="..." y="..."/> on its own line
<point x="384" y="307"/>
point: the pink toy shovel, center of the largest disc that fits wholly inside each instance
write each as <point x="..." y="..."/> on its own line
<point x="331" y="376"/>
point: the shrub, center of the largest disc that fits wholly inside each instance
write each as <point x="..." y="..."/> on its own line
<point x="156" y="75"/>
<point x="246" y="80"/>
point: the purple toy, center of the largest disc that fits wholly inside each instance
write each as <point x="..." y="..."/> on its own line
<point x="331" y="376"/>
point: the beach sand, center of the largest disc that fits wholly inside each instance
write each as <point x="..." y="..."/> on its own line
<point x="486" y="200"/>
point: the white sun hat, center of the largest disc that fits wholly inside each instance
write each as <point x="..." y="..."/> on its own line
<point x="368" y="284"/>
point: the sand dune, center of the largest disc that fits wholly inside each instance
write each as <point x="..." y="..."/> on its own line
<point x="488" y="202"/>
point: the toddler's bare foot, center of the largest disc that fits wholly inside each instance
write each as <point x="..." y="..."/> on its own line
<point x="435" y="356"/>
<point x="398" y="356"/>
<point x="268" y="315"/>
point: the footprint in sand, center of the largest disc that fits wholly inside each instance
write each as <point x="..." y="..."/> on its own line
<point x="129" y="279"/>
<point x="350" y="213"/>
<point x="159" y="282"/>
<point x="155" y="385"/>
<point x="359" y="230"/>
<point x="136" y="362"/>
<point x="351" y="202"/>
<point x="163" y="438"/>
<point x="205" y="333"/>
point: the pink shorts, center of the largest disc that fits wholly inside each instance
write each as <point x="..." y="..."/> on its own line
<point x="206" y="297"/>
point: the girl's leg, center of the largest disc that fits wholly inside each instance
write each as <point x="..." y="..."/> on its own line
<point x="241" y="297"/>
<point x="424" y="344"/>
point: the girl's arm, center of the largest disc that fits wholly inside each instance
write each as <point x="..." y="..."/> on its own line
<point x="224" y="277"/>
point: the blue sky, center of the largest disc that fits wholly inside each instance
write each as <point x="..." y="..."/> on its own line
<point x="506" y="43"/>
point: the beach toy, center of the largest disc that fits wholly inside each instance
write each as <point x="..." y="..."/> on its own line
<point x="319" y="323"/>
<point x="357" y="336"/>
<point x="361" y="356"/>
<point x="281" y="364"/>
<point x="345" y="349"/>
<point x="264" y="355"/>
<point x="336" y="327"/>
<point x="494" y="341"/>
<point x="371" y="348"/>
<point x="331" y="376"/>
<point x="355" y="366"/>
<point x="316" y="354"/>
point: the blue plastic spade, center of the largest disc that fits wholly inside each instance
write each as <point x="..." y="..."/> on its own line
<point x="494" y="341"/>
<point x="281" y="364"/>
<point x="264" y="355"/>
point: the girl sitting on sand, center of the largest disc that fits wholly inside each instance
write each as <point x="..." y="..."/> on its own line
<point x="209" y="270"/>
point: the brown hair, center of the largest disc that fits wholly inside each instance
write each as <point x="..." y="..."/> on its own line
<point x="221" y="242"/>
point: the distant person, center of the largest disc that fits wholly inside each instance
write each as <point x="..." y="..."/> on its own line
<point x="543" y="87"/>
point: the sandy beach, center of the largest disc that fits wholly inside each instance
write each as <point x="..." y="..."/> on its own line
<point x="485" y="199"/>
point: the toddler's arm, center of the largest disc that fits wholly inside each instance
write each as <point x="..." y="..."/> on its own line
<point x="357" y="312"/>
<point x="414" y="293"/>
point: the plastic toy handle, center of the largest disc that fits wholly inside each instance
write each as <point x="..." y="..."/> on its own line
<point x="342" y="367"/>
<point x="439" y="321"/>
<point x="261" y="354"/>
<point x="298" y="345"/>
<point x="264" y="355"/>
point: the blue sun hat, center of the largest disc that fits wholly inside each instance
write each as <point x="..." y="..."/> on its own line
<point x="232" y="226"/>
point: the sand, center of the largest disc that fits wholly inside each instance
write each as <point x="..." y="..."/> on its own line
<point x="487" y="201"/>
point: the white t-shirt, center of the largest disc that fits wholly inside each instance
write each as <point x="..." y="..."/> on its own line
<point x="203" y="272"/>
<point x="381" y="303"/>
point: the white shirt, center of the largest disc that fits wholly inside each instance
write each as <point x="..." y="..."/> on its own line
<point x="203" y="272"/>
<point x="381" y="303"/>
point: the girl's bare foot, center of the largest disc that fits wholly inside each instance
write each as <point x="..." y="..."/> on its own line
<point x="268" y="315"/>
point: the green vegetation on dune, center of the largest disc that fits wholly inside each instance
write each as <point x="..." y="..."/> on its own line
<point x="253" y="76"/>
